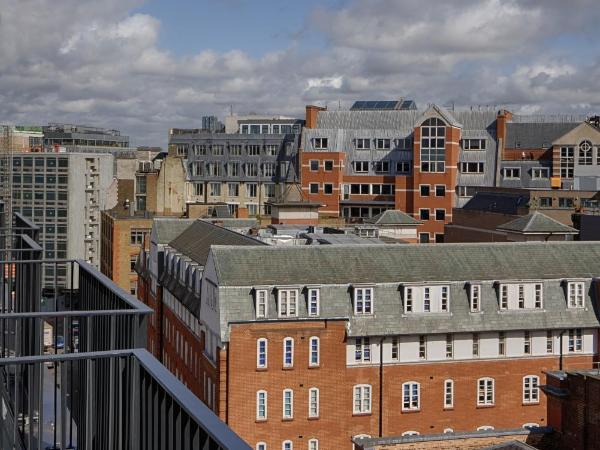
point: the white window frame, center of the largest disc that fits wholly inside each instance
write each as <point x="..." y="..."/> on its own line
<point x="475" y="298"/>
<point x="321" y="143"/>
<point x="422" y="347"/>
<point x="284" y="400"/>
<point x="288" y="348"/>
<point x="261" y="446"/>
<point x="411" y="433"/>
<point x="314" y="302"/>
<point x="448" y="394"/>
<point x="476" y="345"/>
<point x="262" y="302"/>
<point x="531" y="390"/>
<point x="449" y="346"/>
<point x="362" y="305"/>
<point x="445" y="299"/>
<point x="395" y="349"/>
<point x="287" y="445"/>
<point x="503" y="296"/>
<point x="313" y="402"/>
<point x="362" y="399"/>
<point x="575" y="294"/>
<point x="383" y="144"/>
<point x="258" y="415"/>
<point x="312" y="351"/>
<point x="408" y="300"/>
<point x="511" y="173"/>
<point x="575" y="343"/>
<point x="360" y="143"/>
<point x="549" y="342"/>
<point x="258" y="353"/>
<point x="486" y="391"/>
<point x="310" y="188"/>
<point x="485" y="428"/>
<point x="538" y="296"/>
<point x="412" y="401"/>
<point x="501" y="343"/>
<point x="526" y="343"/>
<point x="540" y="173"/>
<point x="285" y="302"/>
<point x="426" y="299"/>
<point x="360" y="345"/>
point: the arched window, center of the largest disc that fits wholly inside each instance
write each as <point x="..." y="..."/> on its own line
<point x="530" y="425"/>
<point x="531" y="391"/>
<point x="313" y="444"/>
<point x="313" y="356"/>
<point x="585" y="153"/>
<point x="288" y="404"/>
<point x="313" y="402"/>
<point x="287" y="445"/>
<point x="261" y="446"/>
<point x="448" y="430"/>
<point x="485" y="428"/>
<point x="433" y="145"/>
<point x="261" y="405"/>
<point x="410" y="433"/>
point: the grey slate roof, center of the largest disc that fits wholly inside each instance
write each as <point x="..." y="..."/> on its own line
<point x="167" y="229"/>
<point x="536" y="222"/>
<point x="535" y="135"/>
<point x="499" y="202"/>
<point x="196" y="240"/>
<point x="392" y="217"/>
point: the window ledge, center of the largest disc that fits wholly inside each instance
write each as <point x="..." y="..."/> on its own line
<point x="287" y="419"/>
<point x="411" y="411"/>
<point x="314" y="366"/>
<point x="260" y="420"/>
<point x="313" y="418"/>
<point x="530" y="403"/>
<point x="287" y="368"/>
<point x="485" y="406"/>
<point x="262" y="369"/>
<point x="361" y="414"/>
<point x="448" y="408"/>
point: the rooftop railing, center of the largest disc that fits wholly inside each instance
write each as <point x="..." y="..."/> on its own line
<point x="73" y="370"/>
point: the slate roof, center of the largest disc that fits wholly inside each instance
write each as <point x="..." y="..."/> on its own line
<point x="536" y="222"/>
<point x="535" y="135"/>
<point x="196" y="240"/>
<point x="499" y="202"/>
<point x="392" y="217"/>
<point x="164" y="229"/>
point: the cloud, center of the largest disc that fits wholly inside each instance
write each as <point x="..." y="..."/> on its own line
<point x="100" y="63"/>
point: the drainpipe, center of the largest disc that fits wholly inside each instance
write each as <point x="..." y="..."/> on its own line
<point x="560" y="361"/>
<point x="381" y="387"/>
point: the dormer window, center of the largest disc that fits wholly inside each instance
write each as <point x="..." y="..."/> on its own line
<point x="363" y="301"/>
<point x="321" y="143"/>
<point x="288" y="302"/>
<point x="521" y="296"/>
<point x="539" y="299"/>
<point x="261" y="303"/>
<point x="504" y="297"/>
<point x="427" y="299"/>
<point x="444" y="299"/>
<point x="575" y="294"/>
<point x="475" y="298"/>
<point x="313" y="302"/>
<point x="408" y="300"/>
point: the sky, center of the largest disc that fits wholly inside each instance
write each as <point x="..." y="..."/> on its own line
<point x="145" y="66"/>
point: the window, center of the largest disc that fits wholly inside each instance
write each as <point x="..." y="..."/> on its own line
<point x="382" y="189"/>
<point x="251" y="190"/>
<point x="395" y="349"/>
<point x="521" y="296"/>
<point x="233" y="189"/>
<point x="361" y="166"/>
<point x="252" y="209"/>
<point x="422" y="347"/>
<point x="485" y="392"/>
<point x="362" y="350"/>
<point x="261" y="446"/>
<point x="328" y="188"/>
<point x="235" y="150"/>
<point x="575" y="340"/>
<point x="382" y="166"/>
<point x="261" y="405"/>
<point x="549" y="342"/>
<point x="471" y="167"/>
<point x="423" y="238"/>
<point x="252" y="169"/>
<point x="314" y="351"/>
<point x="362" y="399"/>
<point x="313" y="402"/>
<point x="475" y="344"/>
<point x="313" y="188"/>
<point x="261" y="353"/>
<point x="440" y="190"/>
<point x="545" y="202"/>
<point x="382" y="144"/>
<point x="410" y="433"/>
<point x="288" y="302"/>
<point x="321" y="143"/>
<point x="214" y="189"/>
<point x="565" y="202"/>
<point x="539" y="173"/>
<point x="328" y="165"/>
<point x="424" y="188"/>
<point x="217" y="150"/>
<point x="567" y="162"/>
<point x="261" y="303"/>
<point x="363" y="144"/>
<point x="214" y="169"/>
<point x="313" y="302"/>
<point x="449" y="346"/>
<point x="268" y="169"/>
<point x="511" y="173"/>
<point x="475" y="298"/>
<point x="253" y="150"/>
<point x="424" y="214"/>
<point x="288" y="404"/>
<point x="287" y="445"/>
<point x="410" y="396"/>
<point x="473" y="144"/>
<point x="403" y="167"/>
<point x="501" y="344"/>
<point x="504" y="296"/>
<point x="288" y="352"/>
<point x="198" y="189"/>
<point x="485" y="428"/>
<point x="313" y="444"/>
<point x="269" y="190"/>
<point x="427" y="299"/>
<point x="271" y="150"/>
<point x="448" y="394"/>
<point x="585" y="153"/>
<point x="433" y="143"/>
<point x="575" y="294"/>
<point x="408" y="300"/>
<point x="527" y="343"/>
<point x="363" y="301"/>
<point x="314" y="165"/>
<point x="136" y="236"/>
<point x="440" y="214"/>
<point x="233" y="169"/>
<point x="531" y="392"/>
<point x="539" y="299"/>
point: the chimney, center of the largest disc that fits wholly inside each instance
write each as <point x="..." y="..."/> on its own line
<point x="242" y="213"/>
<point x="311" y="115"/>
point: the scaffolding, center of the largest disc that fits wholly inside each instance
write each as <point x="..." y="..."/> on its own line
<point x="6" y="152"/>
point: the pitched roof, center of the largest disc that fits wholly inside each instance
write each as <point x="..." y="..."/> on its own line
<point x="499" y="202"/>
<point x="196" y="240"/>
<point x="164" y="230"/>
<point x="535" y="135"/>
<point x="335" y="264"/>
<point x="392" y="217"/>
<point x="536" y="222"/>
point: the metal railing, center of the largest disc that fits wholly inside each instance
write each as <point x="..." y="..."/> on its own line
<point x="73" y="370"/>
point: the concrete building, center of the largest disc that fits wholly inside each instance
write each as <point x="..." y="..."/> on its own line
<point x="303" y="347"/>
<point x="71" y="135"/>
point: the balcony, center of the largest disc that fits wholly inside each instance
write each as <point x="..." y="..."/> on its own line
<point x="74" y="373"/>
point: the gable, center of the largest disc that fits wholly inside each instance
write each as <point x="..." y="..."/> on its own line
<point x="582" y="132"/>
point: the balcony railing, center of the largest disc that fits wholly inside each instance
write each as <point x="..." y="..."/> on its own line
<point x="73" y="370"/>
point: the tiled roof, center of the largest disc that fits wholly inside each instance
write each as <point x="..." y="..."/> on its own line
<point x="196" y="240"/>
<point x="164" y="230"/>
<point x="392" y="217"/>
<point x="535" y="135"/>
<point x="499" y="202"/>
<point x="536" y="222"/>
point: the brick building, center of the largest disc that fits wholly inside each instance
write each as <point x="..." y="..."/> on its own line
<point x="312" y="347"/>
